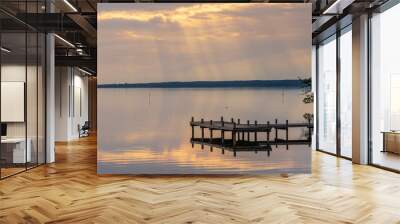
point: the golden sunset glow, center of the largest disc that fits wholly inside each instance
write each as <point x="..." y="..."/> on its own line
<point x="184" y="15"/>
<point x="184" y="155"/>
<point x="185" y="42"/>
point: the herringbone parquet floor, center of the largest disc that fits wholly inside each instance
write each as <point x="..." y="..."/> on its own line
<point x="69" y="191"/>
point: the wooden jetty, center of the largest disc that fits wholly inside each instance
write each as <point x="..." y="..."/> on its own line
<point x="240" y="134"/>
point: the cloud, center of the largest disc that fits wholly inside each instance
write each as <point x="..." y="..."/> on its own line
<point x="164" y="42"/>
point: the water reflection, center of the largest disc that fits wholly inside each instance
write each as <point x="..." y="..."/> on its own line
<point x="147" y="131"/>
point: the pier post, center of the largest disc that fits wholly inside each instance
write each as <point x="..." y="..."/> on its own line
<point x="234" y="135"/>
<point x="287" y="134"/>
<point x="234" y="153"/>
<point x="191" y="124"/>
<point x="248" y="133"/>
<point x="238" y="133"/>
<point x="211" y="132"/>
<point x="202" y="130"/>
<point x="276" y="133"/>
<point x="268" y="130"/>
<point x="268" y="152"/>
<point x="222" y="131"/>
<point x="255" y="131"/>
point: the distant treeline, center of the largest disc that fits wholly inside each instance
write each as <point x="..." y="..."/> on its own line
<point x="288" y="83"/>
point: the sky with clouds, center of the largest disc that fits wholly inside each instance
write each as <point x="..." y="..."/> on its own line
<point x="155" y="42"/>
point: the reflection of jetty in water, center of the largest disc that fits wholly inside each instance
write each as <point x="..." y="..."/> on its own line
<point x="241" y="140"/>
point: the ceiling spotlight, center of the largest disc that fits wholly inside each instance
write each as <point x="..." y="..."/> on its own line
<point x="5" y="50"/>
<point x="70" y="5"/>
<point x="337" y="7"/>
<point x="84" y="71"/>
<point x="65" y="41"/>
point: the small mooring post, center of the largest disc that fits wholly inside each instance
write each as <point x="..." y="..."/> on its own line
<point x="211" y="132"/>
<point x="255" y="131"/>
<point x="202" y="130"/>
<point x="222" y="131"/>
<point x="191" y="124"/>
<point x="268" y="130"/>
<point x="234" y="135"/>
<point x="202" y="134"/>
<point x="234" y="153"/>
<point x="248" y="133"/>
<point x="238" y="133"/>
<point x="276" y="133"/>
<point x="287" y="134"/>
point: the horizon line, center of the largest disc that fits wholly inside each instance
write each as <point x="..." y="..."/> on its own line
<point x="293" y="83"/>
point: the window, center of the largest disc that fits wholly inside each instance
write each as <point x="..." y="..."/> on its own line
<point x="385" y="89"/>
<point x="327" y="95"/>
<point x="346" y="92"/>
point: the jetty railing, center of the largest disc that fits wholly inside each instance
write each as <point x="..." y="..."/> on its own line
<point x="240" y="134"/>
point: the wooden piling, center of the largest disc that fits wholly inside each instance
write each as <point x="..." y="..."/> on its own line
<point x="268" y="130"/>
<point x="238" y="133"/>
<point x="222" y="131"/>
<point x="191" y="124"/>
<point x="211" y="132"/>
<point x="248" y="133"/>
<point x="202" y="131"/>
<point x="287" y="134"/>
<point x="276" y="134"/>
<point x="255" y="132"/>
<point x="234" y="135"/>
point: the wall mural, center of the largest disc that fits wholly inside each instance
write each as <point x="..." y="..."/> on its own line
<point x="204" y="88"/>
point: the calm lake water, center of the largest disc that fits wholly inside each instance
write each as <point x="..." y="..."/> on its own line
<point x="147" y="131"/>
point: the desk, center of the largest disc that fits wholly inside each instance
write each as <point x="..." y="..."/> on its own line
<point x="391" y="141"/>
<point x="15" y="148"/>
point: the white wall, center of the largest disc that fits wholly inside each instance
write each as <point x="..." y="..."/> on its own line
<point x="12" y="73"/>
<point x="71" y="87"/>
